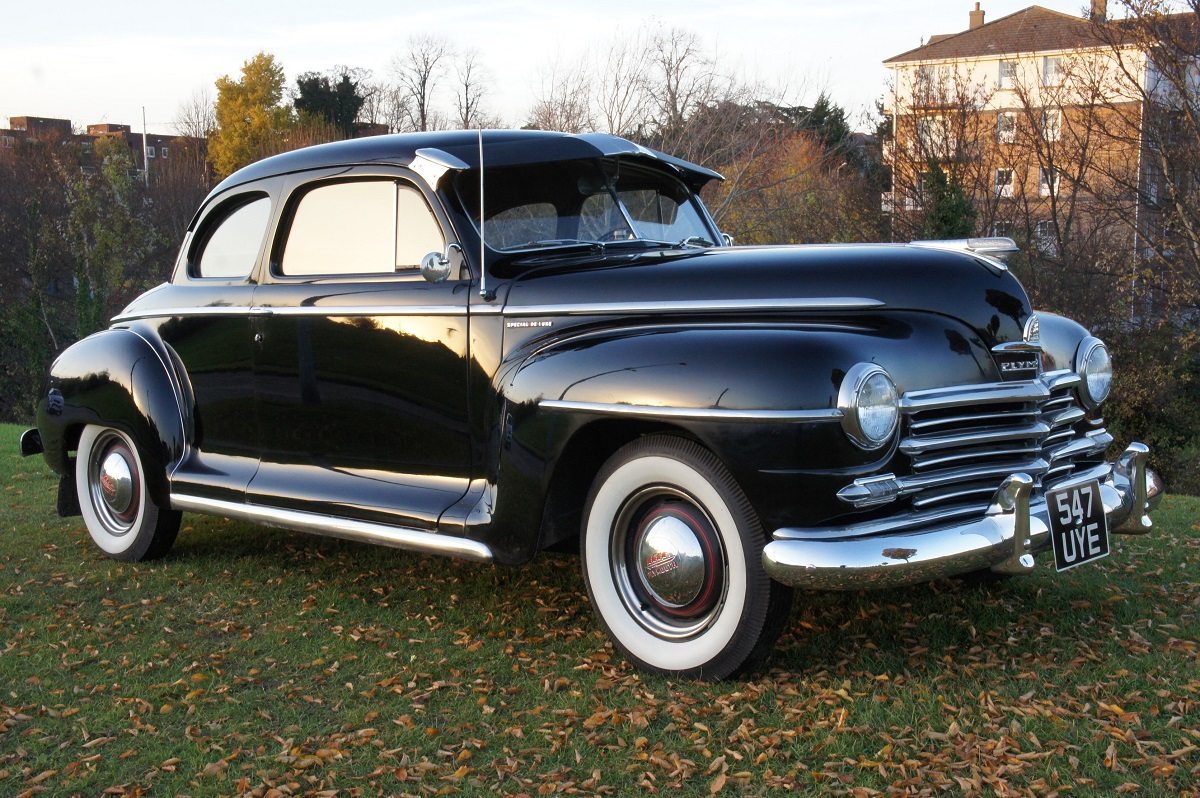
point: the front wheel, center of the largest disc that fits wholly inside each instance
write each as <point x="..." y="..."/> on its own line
<point x="110" y="481"/>
<point x="672" y="560"/>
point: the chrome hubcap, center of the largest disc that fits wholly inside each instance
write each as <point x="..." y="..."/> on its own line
<point x="116" y="483"/>
<point x="668" y="563"/>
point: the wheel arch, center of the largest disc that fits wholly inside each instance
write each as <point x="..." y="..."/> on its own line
<point x="582" y="457"/>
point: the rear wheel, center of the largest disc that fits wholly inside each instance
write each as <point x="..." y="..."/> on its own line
<point x="672" y="559"/>
<point x="110" y="480"/>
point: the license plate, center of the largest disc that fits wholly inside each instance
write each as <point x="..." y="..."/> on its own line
<point x="1078" y="528"/>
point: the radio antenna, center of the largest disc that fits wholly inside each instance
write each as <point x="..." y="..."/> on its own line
<point x="483" y="292"/>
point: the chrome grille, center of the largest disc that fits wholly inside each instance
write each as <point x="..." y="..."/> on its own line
<point x="963" y="441"/>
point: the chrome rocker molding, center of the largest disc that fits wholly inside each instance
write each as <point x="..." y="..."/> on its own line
<point x="346" y="528"/>
<point x="1015" y="525"/>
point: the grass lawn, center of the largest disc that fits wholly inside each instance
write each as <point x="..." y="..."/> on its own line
<point x="253" y="661"/>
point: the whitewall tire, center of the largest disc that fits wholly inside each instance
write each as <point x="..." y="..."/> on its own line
<point x="110" y="482"/>
<point x="672" y="560"/>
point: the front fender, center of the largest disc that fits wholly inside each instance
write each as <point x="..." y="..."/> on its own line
<point x="118" y="378"/>
<point x="1060" y="340"/>
<point x="790" y="462"/>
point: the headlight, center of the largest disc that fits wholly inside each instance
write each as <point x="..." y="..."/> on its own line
<point x="870" y="405"/>
<point x="1094" y="366"/>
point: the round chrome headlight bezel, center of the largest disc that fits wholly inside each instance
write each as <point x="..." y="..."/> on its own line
<point x="870" y="406"/>
<point x="1093" y="364"/>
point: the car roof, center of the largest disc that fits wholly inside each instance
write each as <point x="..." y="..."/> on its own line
<point x="452" y="150"/>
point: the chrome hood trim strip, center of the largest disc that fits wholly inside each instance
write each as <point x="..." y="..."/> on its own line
<point x="706" y="413"/>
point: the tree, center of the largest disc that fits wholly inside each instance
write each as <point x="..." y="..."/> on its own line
<point x="196" y="117"/>
<point x="418" y="72"/>
<point x="252" y="122"/>
<point x="333" y="99"/>
<point x="951" y="213"/>
<point x="469" y="91"/>
<point x="622" y="101"/>
<point x="108" y="234"/>
<point x="564" y="100"/>
<point x="385" y="104"/>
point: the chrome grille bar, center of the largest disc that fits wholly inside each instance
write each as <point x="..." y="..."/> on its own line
<point x="962" y="441"/>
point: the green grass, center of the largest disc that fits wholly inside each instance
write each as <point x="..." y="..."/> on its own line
<point x="258" y="662"/>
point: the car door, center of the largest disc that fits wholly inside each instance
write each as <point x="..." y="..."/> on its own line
<point x="204" y="316"/>
<point x="361" y="364"/>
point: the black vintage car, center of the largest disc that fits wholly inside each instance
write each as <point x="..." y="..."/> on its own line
<point x="484" y="345"/>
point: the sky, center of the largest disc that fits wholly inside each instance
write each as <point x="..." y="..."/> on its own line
<point x="104" y="62"/>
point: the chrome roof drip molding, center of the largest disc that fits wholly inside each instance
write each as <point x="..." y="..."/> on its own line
<point x="707" y="413"/>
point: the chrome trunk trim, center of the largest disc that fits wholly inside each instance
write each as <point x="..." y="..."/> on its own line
<point x="346" y="528"/>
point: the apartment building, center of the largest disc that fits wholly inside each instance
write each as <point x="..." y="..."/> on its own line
<point x="1038" y="115"/>
<point x="157" y="149"/>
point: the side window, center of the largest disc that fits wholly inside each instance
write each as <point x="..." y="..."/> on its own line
<point x="417" y="229"/>
<point x="343" y="228"/>
<point x="231" y="243"/>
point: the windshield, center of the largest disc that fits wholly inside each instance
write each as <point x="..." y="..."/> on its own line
<point x="595" y="201"/>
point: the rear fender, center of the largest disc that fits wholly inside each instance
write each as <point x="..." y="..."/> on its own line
<point x="118" y="378"/>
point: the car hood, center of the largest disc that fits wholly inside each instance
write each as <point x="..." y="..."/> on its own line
<point x="784" y="280"/>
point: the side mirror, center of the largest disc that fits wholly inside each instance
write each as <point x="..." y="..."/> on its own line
<point x="435" y="267"/>
<point x="728" y="239"/>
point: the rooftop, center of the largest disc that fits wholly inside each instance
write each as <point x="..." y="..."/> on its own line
<point x="1030" y="30"/>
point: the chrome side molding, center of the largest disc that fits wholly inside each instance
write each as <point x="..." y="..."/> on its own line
<point x="345" y="528"/>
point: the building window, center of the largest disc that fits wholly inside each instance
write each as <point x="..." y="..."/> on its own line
<point x="1047" y="181"/>
<point x="935" y="139"/>
<point x="1008" y="74"/>
<point x="150" y="152"/>
<point x="1051" y="124"/>
<point x="1004" y="182"/>
<point x="1152" y="194"/>
<point x="163" y="151"/>
<point x="1051" y="70"/>
<point x="1044" y="238"/>
<point x="1006" y="127"/>
<point x="1002" y="229"/>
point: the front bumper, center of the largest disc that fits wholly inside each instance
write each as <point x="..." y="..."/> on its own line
<point x="1004" y="539"/>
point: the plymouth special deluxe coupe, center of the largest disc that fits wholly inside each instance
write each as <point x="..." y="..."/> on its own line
<point x="487" y="344"/>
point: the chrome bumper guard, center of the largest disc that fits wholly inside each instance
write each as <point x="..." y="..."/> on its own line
<point x="1015" y="525"/>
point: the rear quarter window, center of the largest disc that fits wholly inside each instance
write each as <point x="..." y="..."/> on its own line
<point x="231" y="239"/>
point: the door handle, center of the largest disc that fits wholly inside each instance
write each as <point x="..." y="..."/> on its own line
<point x="259" y="310"/>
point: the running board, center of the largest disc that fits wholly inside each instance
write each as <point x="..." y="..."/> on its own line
<point x="345" y="528"/>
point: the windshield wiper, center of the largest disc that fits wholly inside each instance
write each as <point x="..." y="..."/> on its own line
<point x="695" y="241"/>
<point x="555" y="243"/>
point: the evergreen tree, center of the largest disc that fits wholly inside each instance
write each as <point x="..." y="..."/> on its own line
<point x="949" y="210"/>
<point x="337" y="103"/>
